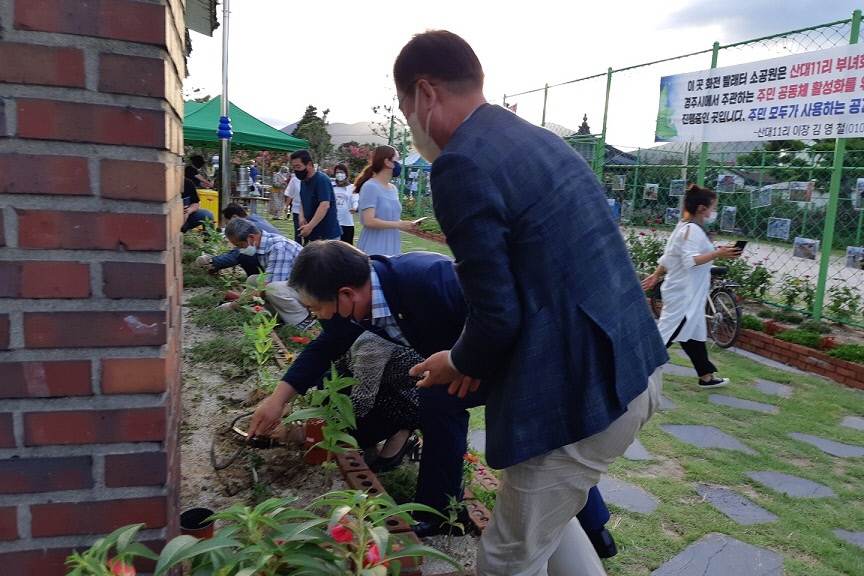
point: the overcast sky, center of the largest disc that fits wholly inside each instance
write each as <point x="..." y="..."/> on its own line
<point x="339" y="55"/>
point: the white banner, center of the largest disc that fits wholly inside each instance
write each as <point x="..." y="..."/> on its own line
<point x="804" y="96"/>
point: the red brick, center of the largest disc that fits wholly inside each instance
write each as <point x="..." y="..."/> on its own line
<point x="140" y="469"/>
<point x="7" y="436"/>
<point x="31" y="475"/>
<point x="148" y="79"/>
<point x="77" y="329"/>
<point x="2" y="233"/>
<point x="94" y="426"/>
<point x="134" y="376"/>
<point x="131" y="180"/>
<point x="45" y="379"/>
<point x="97" y="123"/>
<point x="55" y="280"/>
<point x="40" y="174"/>
<point x="134" y="280"/>
<point x="4" y="331"/>
<point x="116" y="19"/>
<point x="45" y="65"/>
<point x="71" y="518"/>
<point x="42" y="562"/>
<point x="8" y="524"/>
<point x="103" y="231"/>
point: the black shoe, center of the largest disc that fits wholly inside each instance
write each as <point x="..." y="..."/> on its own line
<point x="603" y="543"/>
<point x="714" y="382"/>
<point x="433" y="526"/>
<point x="386" y="464"/>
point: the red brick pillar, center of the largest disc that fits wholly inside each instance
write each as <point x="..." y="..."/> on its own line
<point x="90" y="132"/>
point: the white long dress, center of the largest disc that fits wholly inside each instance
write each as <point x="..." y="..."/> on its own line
<point x="686" y="284"/>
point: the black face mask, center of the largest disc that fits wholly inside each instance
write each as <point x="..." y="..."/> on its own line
<point x="301" y="174"/>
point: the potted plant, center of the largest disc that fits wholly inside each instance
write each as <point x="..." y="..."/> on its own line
<point x="349" y="538"/>
<point x="327" y="417"/>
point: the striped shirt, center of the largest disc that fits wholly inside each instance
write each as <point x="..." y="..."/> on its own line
<point x="277" y="255"/>
<point x="382" y="317"/>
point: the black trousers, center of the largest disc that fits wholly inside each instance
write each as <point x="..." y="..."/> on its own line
<point x="348" y="234"/>
<point x="297" y="237"/>
<point x="696" y="351"/>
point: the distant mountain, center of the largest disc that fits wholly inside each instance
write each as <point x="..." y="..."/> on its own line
<point x="360" y="132"/>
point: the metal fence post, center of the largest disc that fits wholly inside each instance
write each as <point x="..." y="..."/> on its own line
<point x="833" y="197"/>
<point x="600" y="147"/>
<point x="545" y="96"/>
<point x="703" y="156"/>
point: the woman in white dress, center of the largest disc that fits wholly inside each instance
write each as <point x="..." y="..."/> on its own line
<point x="346" y="202"/>
<point x="379" y="205"/>
<point x="686" y="262"/>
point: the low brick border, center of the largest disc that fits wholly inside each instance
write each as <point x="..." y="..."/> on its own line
<point x="433" y="236"/>
<point x="802" y="357"/>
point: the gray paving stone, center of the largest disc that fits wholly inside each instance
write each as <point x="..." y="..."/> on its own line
<point x="669" y="368"/>
<point x="477" y="440"/>
<point x="739" y="403"/>
<point x="855" y="422"/>
<point x="767" y="361"/>
<point x="705" y="437"/>
<point x="829" y="446"/>
<point x="737" y="507"/>
<point x="856" y="538"/>
<point x="666" y="404"/>
<point x="682" y="354"/>
<point x="636" y="451"/>
<point x="791" y="485"/>
<point x="626" y="495"/>
<point x="773" y="388"/>
<point x="722" y="555"/>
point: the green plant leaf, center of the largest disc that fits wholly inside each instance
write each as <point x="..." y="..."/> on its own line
<point x="173" y="553"/>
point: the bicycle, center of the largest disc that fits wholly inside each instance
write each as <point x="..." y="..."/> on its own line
<point x="722" y="308"/>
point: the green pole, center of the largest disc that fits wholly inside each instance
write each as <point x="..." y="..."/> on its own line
<point x="545" y="96"/>
<point x="833" y="196"/>
<point x="860" y="226"/>
<point x="600" y="150"/>
<point x="703" y="157"/>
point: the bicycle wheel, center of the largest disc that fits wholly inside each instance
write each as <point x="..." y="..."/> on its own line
<point x="724" y="321"/>
<point x="656" y="300"/>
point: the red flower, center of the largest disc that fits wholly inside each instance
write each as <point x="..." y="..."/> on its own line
<point x="471" y="458"/>
<point x="120" y="568"/>
<point x="642" y="234"/>
<point x="341" y="533"/>
<point x="806" y="275"/>
<point x="658" y="220"/>
<point x="653" y="229"/>
<point x="257" y="308"/>
<point x="372" y="556"/>
<point x="300" y="339"/>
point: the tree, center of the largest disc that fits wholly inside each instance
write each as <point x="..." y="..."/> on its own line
<point x="355" y="156"/>
<point x="782" y="159"/>
<point x="387" y="119"/>
<point x="314" y="130"/>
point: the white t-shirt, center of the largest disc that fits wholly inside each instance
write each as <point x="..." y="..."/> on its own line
<point x="292" y="192"/>
<point x="346" y="201"/>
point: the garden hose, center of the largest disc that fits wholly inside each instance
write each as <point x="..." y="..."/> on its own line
<point x="256" y="442"/>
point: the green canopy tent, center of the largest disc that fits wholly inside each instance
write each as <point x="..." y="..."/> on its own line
<point x="201" y="122"/>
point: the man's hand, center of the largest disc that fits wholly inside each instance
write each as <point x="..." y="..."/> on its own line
<point x="437" y="370"/>
<point x="305" y="230"/>
<point x="266" y="417"/>
<point x="204" y="260"/>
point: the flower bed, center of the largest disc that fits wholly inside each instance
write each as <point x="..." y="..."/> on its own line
<point x="808" y="359"/>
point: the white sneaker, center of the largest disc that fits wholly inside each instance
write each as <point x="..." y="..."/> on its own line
<point x="714" y="382"/>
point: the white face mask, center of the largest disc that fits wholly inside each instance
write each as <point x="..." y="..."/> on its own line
<point x="711" y="218"/>
<point x="249" y="250"/>
<point x="340" y="176"/>
<point x="423" y="143"/>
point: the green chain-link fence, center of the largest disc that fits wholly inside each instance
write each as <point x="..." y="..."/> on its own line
<point x="792" y="200"/>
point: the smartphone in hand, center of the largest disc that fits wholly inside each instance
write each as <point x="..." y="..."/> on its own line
<point x="419" y="220"/>
<point x="740" y="244"/>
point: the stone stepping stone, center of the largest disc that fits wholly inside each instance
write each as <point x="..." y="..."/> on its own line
<point x="721" y="555"/>
<point x="682" y="354"/>
<point x="791" y="485"/>
<point x="853" y="422"/>
<point x="856" y="538"/>
<point x="773" y="388"/>
<point x="767" y="361"/>
<point x="679" y="370"/>
<point x="636" y="451"/>
<point x="829" y="446"/>
<point x="477" y="440"/>
<point x="705" y="437"/>
<point x="626" y="495"/>
<point x="737" y="507"/>
<point x="666" y="404"/>
<point x="739" y="403"/>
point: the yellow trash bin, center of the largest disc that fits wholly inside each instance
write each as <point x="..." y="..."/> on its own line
<point x="210" y="201"/>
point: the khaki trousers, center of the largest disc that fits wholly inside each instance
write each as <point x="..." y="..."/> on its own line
<point x="283" y="299"/>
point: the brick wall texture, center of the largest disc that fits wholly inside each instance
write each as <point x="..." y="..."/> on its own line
<point x="90" y="138"/>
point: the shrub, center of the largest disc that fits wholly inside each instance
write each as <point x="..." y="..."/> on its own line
<point x="813" y="326"/>
<point x="781" y="316"/>
<point x="845" y="302"/>
<point x="218" y="318"/>
<point x="802" y="337"/>
<point x="751" y="322"/>
<point x="219" y="349"/>
<point x="850" y="352"/>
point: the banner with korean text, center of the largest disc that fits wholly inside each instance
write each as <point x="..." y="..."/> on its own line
<point x="816" y="94"/>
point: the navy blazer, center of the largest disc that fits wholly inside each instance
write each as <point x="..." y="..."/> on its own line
<point x="423" y="293"/>
<point x="558" y="326"/>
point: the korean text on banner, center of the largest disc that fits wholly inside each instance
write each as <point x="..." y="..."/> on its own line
<point x="816" y="94"/>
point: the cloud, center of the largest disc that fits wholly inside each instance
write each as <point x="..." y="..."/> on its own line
<point x="744" y="19"/>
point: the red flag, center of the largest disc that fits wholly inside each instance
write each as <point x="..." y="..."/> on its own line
<point x="512" y="108"/>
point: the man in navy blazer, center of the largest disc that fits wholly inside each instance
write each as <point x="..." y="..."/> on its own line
<point x="558" y="329"/>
